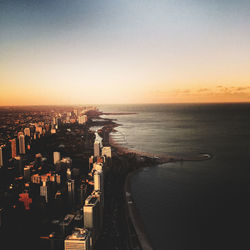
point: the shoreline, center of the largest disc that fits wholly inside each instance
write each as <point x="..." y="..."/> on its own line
<point x="134" y="215"/>
<point x="131" y="211"/>
<point x="160" y="159"/>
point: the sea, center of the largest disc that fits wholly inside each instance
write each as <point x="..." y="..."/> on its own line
<point x="191" y="204"/>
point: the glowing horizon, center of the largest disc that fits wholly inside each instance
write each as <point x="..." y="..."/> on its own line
<point x="85" y="52"/>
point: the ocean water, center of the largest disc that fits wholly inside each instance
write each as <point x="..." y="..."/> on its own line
<point x="191" y="205"/>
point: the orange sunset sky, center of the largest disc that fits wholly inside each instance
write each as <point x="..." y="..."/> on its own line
<point x="92" y="52"/>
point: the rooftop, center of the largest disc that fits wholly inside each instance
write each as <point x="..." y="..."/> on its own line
<point x="78" y="234"/>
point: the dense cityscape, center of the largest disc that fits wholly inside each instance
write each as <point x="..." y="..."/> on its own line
<point x="61" y="186"/>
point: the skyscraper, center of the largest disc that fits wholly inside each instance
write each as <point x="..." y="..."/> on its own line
<point x="106" y="151"/>
<point x="22" y="144"/>
<point x="58" y="179"/>
<point x="27" y="131"/>
<point x="39" y="129"/>
<point x="13" y="148"/>
<point x="54" y="121"/>
<point x="82" y="193"/>
<point x="44" y="191"/>
<point x="71" y="192"/>
<point x="98" y="181"/>
<point x="71" y="186"/>
<point x="91" y="161"/>
<point x="26" y="173"/>
<point x="19" y="164"/>
<point x="78" y="240"/>
<point x="68" y="173"/>
<point x="18" y="134"/>
<point x="99" y="195"/>
<point x="1" y="217"/>
<point x="57" y="157"/>
<point x="97" y="148"/>
<point x="1" y="157"/>
<point x="82" y="119"/>
<point x="97" y="166"/>
<point x="91" y="213"/>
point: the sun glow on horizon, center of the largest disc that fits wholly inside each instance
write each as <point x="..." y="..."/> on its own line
<point x="124" y="52"/>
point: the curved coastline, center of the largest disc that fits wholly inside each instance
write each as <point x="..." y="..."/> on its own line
<point x="160" y="159"/>
<point x="134" y="214"/>
<point x="132" y="211"/>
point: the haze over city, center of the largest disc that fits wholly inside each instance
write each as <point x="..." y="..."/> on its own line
<point x="76" y="52"/>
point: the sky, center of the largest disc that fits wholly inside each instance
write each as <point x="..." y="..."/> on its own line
<point x="121" y="51"/>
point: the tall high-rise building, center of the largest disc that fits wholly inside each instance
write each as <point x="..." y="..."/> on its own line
<point x="4" y="155"/>
<point x="97" y="167"/>
<point x="39" y="129"/>
<point x="19" y="164"/>
<point x="1" y="217"/>
<point x="82" y="193"/>
<point x="97" y="148"/>
<point x="99" y="195"/>
<point x="26" y="173"/>
<point x="91" y="161"/>
<point x="82" y="119"/>
<point x="68" y="173"/>
<point x="98" y="181"/>
<point x="22" y="144"/>
<point x="71" y="192"/>
<point x="91" y="213"/>
<point x="106" y="151"/>
<point x="71" y="186"/>
<point x="78" y="240"/>
<point x="1" y="157"/>
<point x="54" y="121"/>
<point x="18" y="134"/>
<point x="57" y="157"/>
<point x="27" y="131"/>
<point x="44" y="191"/>
<point x="90" y="210"/>
<point x="13" y="147"/>
<point x="58" y="179"/>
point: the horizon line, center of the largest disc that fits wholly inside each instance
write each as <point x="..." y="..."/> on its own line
<point x="101" y="104"/>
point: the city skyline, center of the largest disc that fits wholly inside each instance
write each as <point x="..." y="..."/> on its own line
<point x="85" y="52"/>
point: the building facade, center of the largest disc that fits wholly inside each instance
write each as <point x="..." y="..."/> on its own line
<point x="22" y="144"/>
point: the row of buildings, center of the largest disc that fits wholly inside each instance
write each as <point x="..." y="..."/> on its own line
<point x="78" y="199"/>
<point x="93" y="208"/>
<point x="21" y="143"/>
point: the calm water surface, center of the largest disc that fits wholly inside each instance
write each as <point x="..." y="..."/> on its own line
<point x="193" y="205"/>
